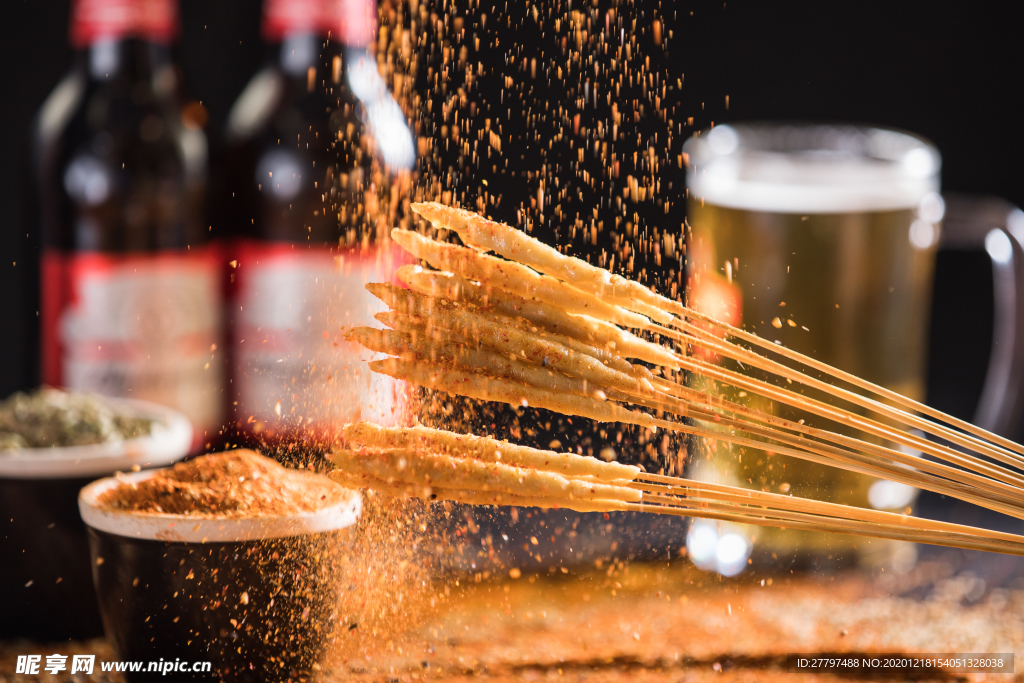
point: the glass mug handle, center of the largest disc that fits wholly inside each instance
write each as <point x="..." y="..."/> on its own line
<point x="975" y="222"/>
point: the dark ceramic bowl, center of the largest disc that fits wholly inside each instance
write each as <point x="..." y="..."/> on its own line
<point x="255" y="597"/>
<point x="44" y="552"/>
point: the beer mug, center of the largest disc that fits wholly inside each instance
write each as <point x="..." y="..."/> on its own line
<point x="823" y="238"/>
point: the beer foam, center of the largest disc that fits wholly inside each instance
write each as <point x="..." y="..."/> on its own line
<point x="811" y="169"/>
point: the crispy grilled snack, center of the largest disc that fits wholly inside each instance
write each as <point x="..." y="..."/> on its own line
<point x="487" y="449"/>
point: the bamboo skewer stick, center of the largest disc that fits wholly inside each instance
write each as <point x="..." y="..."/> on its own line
<point x="770" y="521"/>
<point x="737" y="353"/>
<point x="853" y="462"/>
<point x="434" y="352"/>
<point x="842" y="525"/>
<point x="694" y="396"/>
<point x="899" y="437"/>
<point x="673" y="486"/>
<point x="1006" y="494"/>
<point x="493" y="389"/>
<point x="582" y="276"/>
<point x="898" y="462"/>
<point x="862" y="384"/>
<point x="513" y="244"/>
<point x="1003" y="502"/>
<point x="427" y="251"/>
<point x="708" y="341"/>
<point x="438" y="465"/>
<point x="790" y="398"/>
<point x="559" y="321"/>
<point x="675" y="407"/>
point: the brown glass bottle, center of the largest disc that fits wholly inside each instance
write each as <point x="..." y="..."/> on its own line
<point x="130" y="289"/>
<point x="301" y="202"/>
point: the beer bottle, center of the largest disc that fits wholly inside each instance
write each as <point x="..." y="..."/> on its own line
<point x="302" y="198"/>
<point x="131" y="301"/>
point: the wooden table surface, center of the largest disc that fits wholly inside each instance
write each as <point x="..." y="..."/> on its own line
<point x="655" y="622"/>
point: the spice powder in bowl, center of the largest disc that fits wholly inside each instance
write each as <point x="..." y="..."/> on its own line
<point x="236" y="484"/>
<point x="229" y="558"/>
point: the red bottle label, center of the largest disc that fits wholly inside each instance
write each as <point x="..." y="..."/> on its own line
<point x="95" y="20"/>
<point x="281" y="17"/>
<point x="294" y="371"/>
<point x="351" y="22"/>
<point x="143" y="326"/>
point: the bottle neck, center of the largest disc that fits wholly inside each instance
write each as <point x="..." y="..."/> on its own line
<point x="133" y="59"/>
<point x="298" y="52"/>
<point x="312" y="62"/>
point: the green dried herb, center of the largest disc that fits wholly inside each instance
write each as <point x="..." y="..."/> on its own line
<point x="49" y="417"/>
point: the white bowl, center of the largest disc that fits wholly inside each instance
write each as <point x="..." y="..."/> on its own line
<point x="170" y="440"/>
<point x="186" y="529"/>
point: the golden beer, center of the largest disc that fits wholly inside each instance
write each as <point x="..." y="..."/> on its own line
<point x="822" y="239"/>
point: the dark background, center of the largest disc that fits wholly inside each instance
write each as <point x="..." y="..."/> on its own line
<point x="948" y="71"/>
